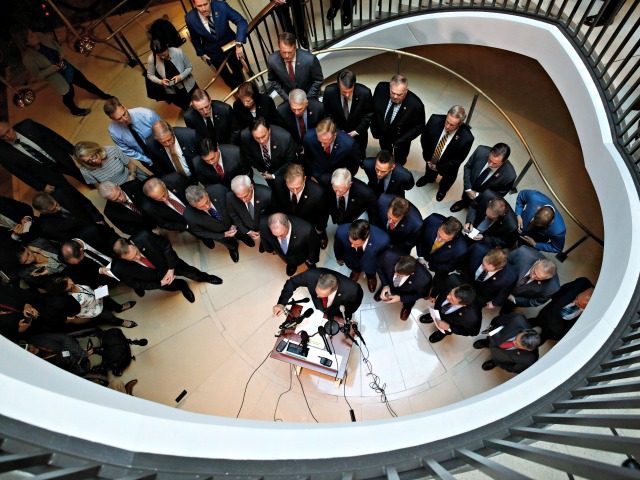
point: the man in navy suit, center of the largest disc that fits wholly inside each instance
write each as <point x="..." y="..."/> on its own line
<point x="208" y="25"/>
<point x="401" y="220"/>
<point x="292" y="239"/>
<point x="350" y="198"/>
<point x="218" y="163"/>
<point x="386" y="176"/>
<point x="358" y="246"/>
<point x="292" y="67"/>
<point x="248" y="204"/>
<point x="350" y="105"/>
<point x="211" y="119"/>
<point x="327" y="149"/>
<point x="540" y="225"/>
<point x="446" y="141"/>
<point x="487" y="169"/>
<point x="537" y="279"/>
<point x="491" y="274"/>
<point x="300" y="114"/>
<point x="402" y="279"/>
<point x="494" y="219"/>
<point x="174" y="148"/>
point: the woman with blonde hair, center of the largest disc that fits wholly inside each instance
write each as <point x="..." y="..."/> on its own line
<point x="99" y="164"/>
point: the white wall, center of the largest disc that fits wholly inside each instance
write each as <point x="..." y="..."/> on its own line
<point x="42" y="395"/>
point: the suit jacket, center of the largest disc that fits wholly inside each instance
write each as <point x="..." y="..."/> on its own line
<point x="401" y="179"/>
<point x="32" y="172"/>
<point x="187" y="138"/>
<point x="126" y="220"/>
<point x="407" y="123"/>
<point x="16" y="211"/>
<point x="418" y="284"/>
<point x="534" y="293"/>
<point x="283" y="150"/>
<point x="549" y="318"/>
<point x="349" y="293"/>
<point x="232" y="166"/>
<point x="156" y="70"/>
<point x="265" y="108"/>
<point x="203" y="225"/>
<point x="345" y="153"/>
<point x="86" y="273"/>
<point x="165" y="216"/>
<point x="222" y="122"/>
<point x="446" y="258"/>
<point x="315" y="113"/>
<point x="463" y="321"/>
<point x="361" y="199"/>
<point x="239" y="213"/>
<point x="407" y="232"/>
<point x="495" y="289"/>
<point x="457" y="150"/>
<point x="206" y="43"/>
<point x="159" y="252"/>
<point x="516" y="360"/>
<point x="311" y="205"/>
<point x="377" y="242"/>
<point x="550" y="239"/>
<point x="61" y="226"/>
<point x="308" y="74"/>
<point x="501" y="181"/>
<point x="359" y="115"/>
<point x="503" y="232"/>
<point x="304" y="243"/>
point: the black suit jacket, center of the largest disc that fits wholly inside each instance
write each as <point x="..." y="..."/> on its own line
<point x="311" y="206"/>
<point x="457" y="150"/>
<point x="166" y="217"/>
<point x="516" y="360"/>
<point x="401" y="179"/>
<point x="406" y="234"/>
<point x="407" y="123"/>
<point x="534" y="293"/>
<point x="349" y="293"/>
<point x="345" y="153"/>
<point x="304" y="244"/>
<point x="446" y="258"/>
<point x="239" y="213"/>
<point x="128" y="221"/>
<point x="61" y="226"/>
<point x="360" y="199"/>
<point x="86" y="273"/>
<point x="503" y="232"/>
<point x="501" y="181"/>
<point x="187" y="138"/>
<point x="554" y="327"/>
<point x="265" y="108"/>
<point x="418" y="284"/>
<point x="232" y="165"/>
<point x="203" y="225"/>
<point x="359" y="115"/>
<point x="283" y="150"/>
<point x="16" y="211"/>
<point x="495" y="289"/>
<point x="308" y="74"/>
<point x="222" y="122"/>
<point x="315" y="113"/>
<point x="463" y="321"/>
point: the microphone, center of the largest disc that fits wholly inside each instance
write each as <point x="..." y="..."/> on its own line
<point x="295" y="302"/>
<point x="304" y="340"/>
<point x="323" y="334"/>
<point x="295" y="321"/>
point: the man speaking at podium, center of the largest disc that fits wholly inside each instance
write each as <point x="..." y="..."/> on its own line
<point x="329" y="290"/>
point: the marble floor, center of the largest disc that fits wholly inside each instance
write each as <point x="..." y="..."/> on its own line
<point x="213" y="347"/>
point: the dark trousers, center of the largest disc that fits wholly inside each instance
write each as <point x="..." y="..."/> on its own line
<point x="297" y="26"/>
<point x="400" y="150"/>
<point x="81" y="81"/>
<point x="446" y="181"/>
<point x="182" y="97"/>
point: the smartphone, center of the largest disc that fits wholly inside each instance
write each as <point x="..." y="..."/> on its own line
<point x="326" y="362"/>
<point x="281" y="345"/>
<point x="295" y="349"/>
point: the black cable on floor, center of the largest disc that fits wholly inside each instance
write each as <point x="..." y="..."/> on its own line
<point x="305" y="399"/>
<point x="375" y="383"/>
<point x="283" y="393"/>
<point x="247" y="384"/>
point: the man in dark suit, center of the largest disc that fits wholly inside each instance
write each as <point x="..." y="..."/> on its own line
<point x="86" y="265"/>
<point x="210" y="119"/>
<point x="401" y="220"/>
<point x="269" y="149"/>
<point x="558" y="316"/>
<point x="540" y="225"/>
<point x="209" y="218"/>
<point x="146" y="261"/>
<point x="491" y="275"/>
<point x="446" y="141"/>
<point x="296" y="26"/>
<point x="328" y="289"/>
<point x="293" y="239"/>
<point x="402" y="279"/>
<point x="17" y="221"/>
<point x="124" y="207"/>
<point x="350" y="198"/>
<point x="513" y="345"/>
<point x="39" y="157"/>
<point x="350" y="105"/>
<point x="166" y="203"/>
<point x="292" y="67"/>
<point x="537" y="279"/>
<point x="174" y="148"/>
<point x="247" y="205"/>
<point x="441" y="245"/>
<point x="459" y="313"/>
<point x="300" y="114"/>
<point x="294" y="195"/>
<point x="386" y="176"/>
<point x="252" y="104"/>
<point x="327" y="149"/>
<point x="358" y="245"/>
<point x="209" y="30"/>
<point x="398" y="117"/>
<point x="486" y="169"/>
<point x="218" y="163"/>
<point x="494" y="219"/>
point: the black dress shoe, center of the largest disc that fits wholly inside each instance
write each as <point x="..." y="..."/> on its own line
<point x="425" y="318"/>
<point x="440" y="196"/>
<point x="422" y="181"/>
<point x="372" y="283"/>
<point x="346" y="20"/>
<point x="324" y="240"/>
<point x="83" y="112"/>
<point x="404" y="313"/>
<point x="213" y="280"/>
<point x="456" y="207"/>
<point x="376" y="296"/>
<point x="436" y="336"/>
<point x="331" y="13"/>
<point x="482" y="343"/>
<point x="209" y="243"/>
<point x="291" y="270"/>
<point x="235" y="256"/>
<point x="591" y="21"/>
<point x="488" y="365"/>
<point x="139" y="292"/>
<point x="188" y="294"/>
<point x="128" y="387"/>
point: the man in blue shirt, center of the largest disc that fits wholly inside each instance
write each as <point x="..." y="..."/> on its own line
<point x="540" y="225"/>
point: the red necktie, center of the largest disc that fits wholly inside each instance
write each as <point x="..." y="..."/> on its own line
<point x="132" y="207"/>
<point x="325" y="302"/>
<point x="177" y="205"/>
<point x="327" y="150"/>
<point x="219" y="170"/>
<point x="301" y="127"/>
<point x="292" y="75"/>
<point x="392" y="225"/>
<point x="507" y="345"/>
<point x="146" y="262"/>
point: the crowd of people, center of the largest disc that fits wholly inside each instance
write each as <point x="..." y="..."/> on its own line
<point x="271" y="178"/>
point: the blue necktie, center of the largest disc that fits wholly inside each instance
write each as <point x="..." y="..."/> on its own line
<point x="215" y="214"/>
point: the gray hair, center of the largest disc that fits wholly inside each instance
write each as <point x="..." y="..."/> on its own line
<point x="152" y="184"/>
<point x="458" y="111"/>
<point x="106" y="189"/>
<point x="341" y="176"/>
<point x="195" y="193"/>
<point x="161" y="128"/>
<point x="297" y="95"/>
<point x="547" y="266"/>
<point x="240" y="181"/>
<point x="280" y="219"/>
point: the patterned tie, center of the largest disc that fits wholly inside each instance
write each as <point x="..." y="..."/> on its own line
<point x="219" y="170"/>
<point x="212" y="25"/>
<point x="436" y="245"/>
<point x="266" y="157"/>
<point x="292" y="75"/>
<point x="345" y="107"/>
<point x="301" y="126"/>
<point x="391" y="225"/>
<point x="129" y="204"/>
<point x="524" y="280"/>
<point x="175" y="159"/>
<point x="215" y="213"/>
<point x="35" y="154"/>
<point x="146" y="262"/>
<point x="569" y="310"/>
<point x="250" y="209"/>
<point x="176" y="205"/>
<point x="389" y="114"/>
<point x="439" y="148"/>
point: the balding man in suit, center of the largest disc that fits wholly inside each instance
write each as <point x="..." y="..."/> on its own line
<point x="292" y="239"/>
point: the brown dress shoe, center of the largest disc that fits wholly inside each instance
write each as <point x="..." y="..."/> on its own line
<point x="354" y="276"/>
<point x="372" y="283"/>
<point x="129" y="386"/>
<point x="404" y="313"/>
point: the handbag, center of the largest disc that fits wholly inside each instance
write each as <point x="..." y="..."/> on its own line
<point x="155" y="91"/>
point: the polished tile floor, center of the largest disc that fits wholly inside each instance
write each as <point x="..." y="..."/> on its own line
<point x="212" y="347"/>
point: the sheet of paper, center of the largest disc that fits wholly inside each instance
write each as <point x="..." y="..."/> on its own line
<point x="495" y="330"/>
<point x="435" y="314"/>
<point x="101" y="292"/>
<point x="472" y="234"/>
